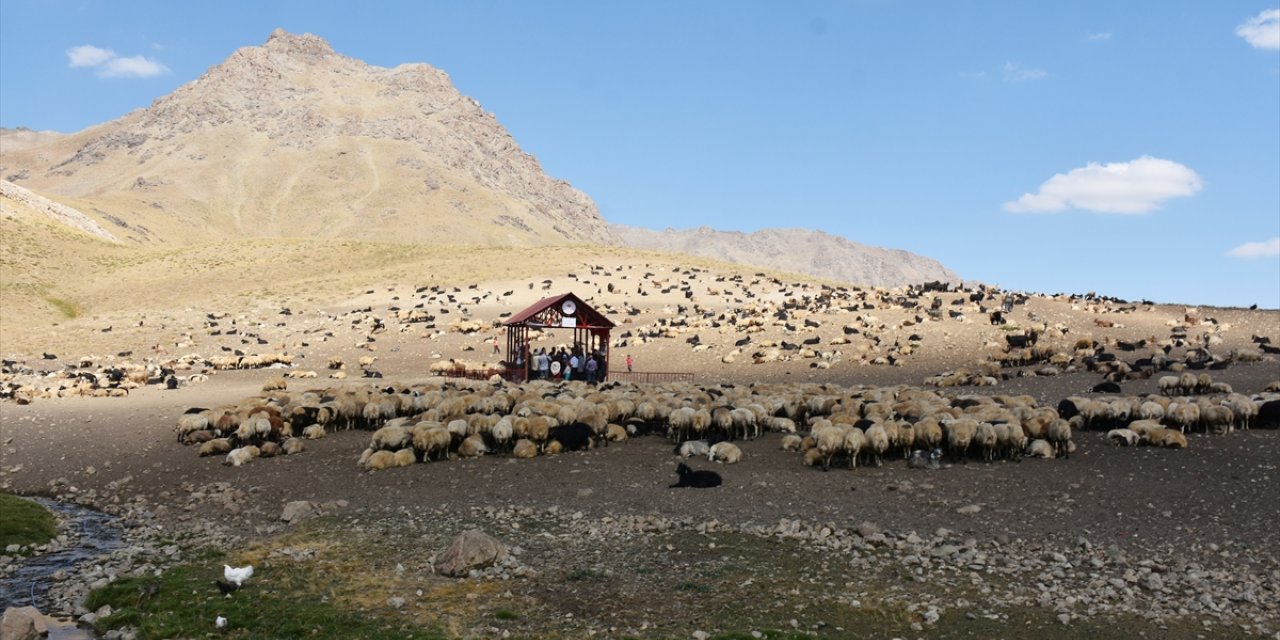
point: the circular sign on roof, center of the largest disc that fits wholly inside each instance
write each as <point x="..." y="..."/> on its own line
<point x="568" y="307"/>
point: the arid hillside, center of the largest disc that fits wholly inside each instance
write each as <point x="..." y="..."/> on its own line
<point x="292" y="140"/>
<point x="796" y="250"/>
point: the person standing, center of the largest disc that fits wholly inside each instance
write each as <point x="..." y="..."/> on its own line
<point x="591" y="367"/>
<point x="629" y="361"/>
<point x="495" y="344"/>
<point x="574" y="363"/>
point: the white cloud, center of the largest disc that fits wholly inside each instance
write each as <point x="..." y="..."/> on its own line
<point x="1263" y="30"/>
<point x="1105" y="35"/>
<point x="87" y="55"/>
<point x="1014" y="72"/>
<point x="1139" y="186"/>
<point x="1263" y="249"/>
<point x="133" y="67"/>
<point x="110" y="65"/>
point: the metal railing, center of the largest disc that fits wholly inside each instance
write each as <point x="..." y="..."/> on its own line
<point x="650" y="376"/>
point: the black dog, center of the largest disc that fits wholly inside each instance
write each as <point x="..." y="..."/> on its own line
<point x="696" y="479"/>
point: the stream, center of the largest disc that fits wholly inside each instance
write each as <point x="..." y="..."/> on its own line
<point x="92" y="534"/>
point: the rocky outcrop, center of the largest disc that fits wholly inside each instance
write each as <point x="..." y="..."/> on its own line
<point x="797" y="250"/>
<point x="12" y="193"/>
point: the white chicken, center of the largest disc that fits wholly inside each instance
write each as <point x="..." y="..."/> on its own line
<point x="237" y="575"/>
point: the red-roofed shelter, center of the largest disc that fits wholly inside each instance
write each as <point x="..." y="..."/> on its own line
<point x="563" y="312"/>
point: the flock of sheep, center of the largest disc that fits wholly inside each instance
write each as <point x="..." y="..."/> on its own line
<point x="826" y="424"/>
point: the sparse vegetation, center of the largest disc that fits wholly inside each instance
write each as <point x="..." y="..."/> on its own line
<point x="25" y="522"/>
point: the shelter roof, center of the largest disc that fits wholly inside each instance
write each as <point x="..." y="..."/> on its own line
<point x="548" y="312"/>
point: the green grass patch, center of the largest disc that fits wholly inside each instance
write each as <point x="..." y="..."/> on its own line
<point x="68" y="308"/>
<point x="286" y="601"/>
<point x="25" y="522"/>
<point x="505" y="614"/>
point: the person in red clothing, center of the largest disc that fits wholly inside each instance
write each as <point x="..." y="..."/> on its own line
<point x="629" y="361"/>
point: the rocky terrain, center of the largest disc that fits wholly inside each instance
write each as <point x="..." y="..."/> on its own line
<point x="804" y="251"/>
<point x="1109" y="542"/>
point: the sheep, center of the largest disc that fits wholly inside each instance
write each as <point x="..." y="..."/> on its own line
<point x="791" y="442"/>
<point x="987" y="439"/>
<point x="1141" y="427"/>
<point x="1039" y="449"/>
<point x="293" y="445"/>
<point x="1124" y="437"/>
<point x="1168" y="385"/>
<point x="959" y="434"/>
<point x="691" y="448"/>
<point x="241" y="456"/>
<point x="1168" y="438"/>
<point x="1243" y="407"/>
<point x="378" y="460"/>
<point x="877" y="442"/>
<point x="391" y="438"/>
<point x="1182" y="415"/>
<point x="269" y="450"/>
<point x="215" y="447"/>
<point x="405" y="457"/>
<point x="928" y="433"/>
<point x="431" y="440"/>
<point x="812" y="457"/>
<point x="1217" y="419"/>
<point x="501" y="433"/>
<point x="725" y="452"/>
<point x="313" y="432"/>
<point x="855" y="440"/>
<point x="525" y="449"/>
<point x="191" y="422"/>
<point x="615" y="433"/>
<point x="277" y="383"/>
<point x="1058" y="434"/>
<point x="829" y="441"/>
<point x="472" y="446"/>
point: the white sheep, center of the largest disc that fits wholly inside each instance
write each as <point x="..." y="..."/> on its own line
<point x="241" y="456"/>
<point x="725" y="452"/>
<point x="1124" y="437"/>
<point x="691" y="448"/>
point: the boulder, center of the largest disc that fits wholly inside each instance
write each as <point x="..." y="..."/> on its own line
<point x="23" y="623"/>
<point x="298" y="510"/>
<point x="470" y="550"/>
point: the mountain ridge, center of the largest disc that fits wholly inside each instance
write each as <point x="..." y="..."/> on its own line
<point x="798" y="250"/>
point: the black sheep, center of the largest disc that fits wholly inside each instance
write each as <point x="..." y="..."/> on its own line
<point x="572" y="437"/>
<point x="697" y="479"/>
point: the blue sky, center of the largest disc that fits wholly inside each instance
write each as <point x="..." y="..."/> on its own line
<point x="1128" y="148"/>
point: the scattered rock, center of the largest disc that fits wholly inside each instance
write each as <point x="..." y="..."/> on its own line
<point x="472" y="549"/>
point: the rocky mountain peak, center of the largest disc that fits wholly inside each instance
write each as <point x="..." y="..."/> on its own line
<point x="304" y="45"/>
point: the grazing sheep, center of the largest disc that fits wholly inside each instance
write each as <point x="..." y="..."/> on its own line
<point x="275" y="384"/>
<point x="959" y="434"/>
<point x="525" y="449"/>
<point x="725" y="452"/>
<point x="877" y="442"/>
<point x="791" y="442"/>
<point x="472" y="446"/>
<point x="1168" y="385"/>
<point x="812" y="457"/>
<point x="855" y="441"/>
<point x="986" y="438"/>
<point x="1124" y="437"/>
<point x="1058" y="433"/>
<point x="431" y="440"/>
<point x="391" y="438"/>
<point x="615" y="433"/>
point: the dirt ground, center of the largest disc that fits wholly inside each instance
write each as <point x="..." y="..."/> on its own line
<point x="1213" y="505"/>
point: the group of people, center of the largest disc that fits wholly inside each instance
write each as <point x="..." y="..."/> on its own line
<point x="562" y="364"/>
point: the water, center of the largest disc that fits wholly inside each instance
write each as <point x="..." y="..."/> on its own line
<point x="93" y="535"/>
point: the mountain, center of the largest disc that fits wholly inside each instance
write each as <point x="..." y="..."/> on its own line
<point x="796" y="250"/>
<point x="293" y="140"/>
